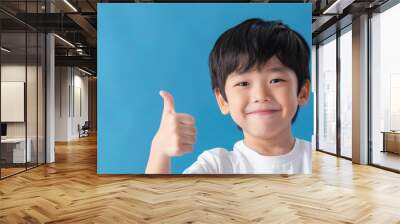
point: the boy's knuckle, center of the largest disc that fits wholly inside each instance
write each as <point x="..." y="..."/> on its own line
<point x="176" y="141"/>
<point x="174" y="119"/>
<point x="174" y="127"/>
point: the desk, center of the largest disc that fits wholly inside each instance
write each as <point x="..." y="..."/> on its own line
<point x="391" y="141"/>
<point x="17" y="150"/>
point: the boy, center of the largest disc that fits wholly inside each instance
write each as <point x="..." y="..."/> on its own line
<point x="260" y="76"/>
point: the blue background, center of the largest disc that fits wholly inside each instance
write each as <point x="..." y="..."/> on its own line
<point x="143" y="48"/>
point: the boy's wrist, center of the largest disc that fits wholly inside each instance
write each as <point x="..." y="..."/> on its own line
<point x="158" y="162"/>
<point x="157" y="152"/>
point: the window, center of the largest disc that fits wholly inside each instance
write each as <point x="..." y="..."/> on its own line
<point x="385" y="89"/>
<point x="327" y="95"/>
<point x="346" y="92"/>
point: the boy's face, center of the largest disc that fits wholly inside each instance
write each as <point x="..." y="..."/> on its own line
<point x="263" y="102"/>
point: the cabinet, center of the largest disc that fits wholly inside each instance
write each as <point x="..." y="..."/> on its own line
<point x="391" y="141"/>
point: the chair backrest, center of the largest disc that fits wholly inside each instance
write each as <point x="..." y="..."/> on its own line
<point x="86" y="125"/>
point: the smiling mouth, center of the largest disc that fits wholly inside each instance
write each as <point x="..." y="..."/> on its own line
<point x="263" y="112"/>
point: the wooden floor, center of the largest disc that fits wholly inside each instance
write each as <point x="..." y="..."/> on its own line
<point x="5" y="172"/>
<point x="388" y="159"/>
<point x="9" y="171"/>
<point x="70" y="191"/>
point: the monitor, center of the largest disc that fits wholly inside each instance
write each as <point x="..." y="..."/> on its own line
<point x="3" y="129"/>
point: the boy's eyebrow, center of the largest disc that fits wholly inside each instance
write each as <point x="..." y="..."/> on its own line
<point x="278" y="68"/>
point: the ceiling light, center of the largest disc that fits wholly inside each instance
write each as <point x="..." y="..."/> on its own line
<point x="70" y="5"/>
<point x="84" y="71"/>
<point x="65" y="41"/>
<point x="338" y="6"/>
<point x="5" y="50"/>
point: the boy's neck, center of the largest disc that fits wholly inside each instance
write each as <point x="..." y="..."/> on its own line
<point x="277" y="145"/>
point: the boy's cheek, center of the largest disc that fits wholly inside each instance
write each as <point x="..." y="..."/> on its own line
<point x="236" y="112"/>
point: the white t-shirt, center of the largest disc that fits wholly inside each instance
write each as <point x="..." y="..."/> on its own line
<point x="244" y="160"/>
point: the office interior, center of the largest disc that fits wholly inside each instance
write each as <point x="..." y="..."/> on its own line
<point x="49" y="80"/>
<point x="48" y="76"/>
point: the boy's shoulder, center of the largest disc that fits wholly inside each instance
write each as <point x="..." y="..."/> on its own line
<point x="213" y="161"/>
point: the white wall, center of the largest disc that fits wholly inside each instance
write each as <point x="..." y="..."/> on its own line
<point x="10" y="73"/>
<point x="70" y="83"/>
<point x="61" y="103"/>
<point x="80" y="89"/>
<point x="33" y="127"/>
<point x="16" y="72"/>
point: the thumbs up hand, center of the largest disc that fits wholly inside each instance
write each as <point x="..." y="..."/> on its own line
<point x="176" y="134"/>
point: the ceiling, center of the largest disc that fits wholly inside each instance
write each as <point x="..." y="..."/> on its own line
<point x="76" y="22"/>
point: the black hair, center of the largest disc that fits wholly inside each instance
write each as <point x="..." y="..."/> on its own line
<point x="252" y="43"/>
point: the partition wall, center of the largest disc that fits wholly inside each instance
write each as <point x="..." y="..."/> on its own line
<point x="334" y="94"/>
<point x="23" y="87"/>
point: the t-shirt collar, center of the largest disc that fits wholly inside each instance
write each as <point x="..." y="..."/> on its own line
<point x="242" y="147"/>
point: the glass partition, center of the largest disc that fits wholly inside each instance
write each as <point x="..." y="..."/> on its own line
<point x="346" y="92"/>
<point x="22" y="77"/>
<point x="13" y="108"/>
<point x="385" y="89"/>
<point x="327" y="95"/>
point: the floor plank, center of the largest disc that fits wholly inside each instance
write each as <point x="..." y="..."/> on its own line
<point x="70" y="191"/>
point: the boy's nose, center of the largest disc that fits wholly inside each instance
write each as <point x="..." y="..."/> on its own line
<point x="263" y="99"/>
<point x="261" y="94"/>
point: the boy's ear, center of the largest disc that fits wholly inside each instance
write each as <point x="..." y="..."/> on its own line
<point x="223" y="105"/>
<point x="304" y="93"/>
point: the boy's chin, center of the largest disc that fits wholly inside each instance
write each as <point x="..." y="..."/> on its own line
<point x="262" y="133"/>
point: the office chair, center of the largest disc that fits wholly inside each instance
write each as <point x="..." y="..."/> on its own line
<point x="84" y="130"/>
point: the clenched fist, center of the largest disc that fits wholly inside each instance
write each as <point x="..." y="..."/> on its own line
<point x="175" y="136"/>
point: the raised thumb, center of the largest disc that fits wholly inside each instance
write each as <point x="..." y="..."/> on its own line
<point x="169" y="106"/>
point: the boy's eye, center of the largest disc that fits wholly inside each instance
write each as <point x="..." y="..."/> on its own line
<point x="242" y="84"/>
<point x="277" y="80"/>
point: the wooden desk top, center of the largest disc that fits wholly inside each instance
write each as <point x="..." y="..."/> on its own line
<point x="391" y="132"/>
